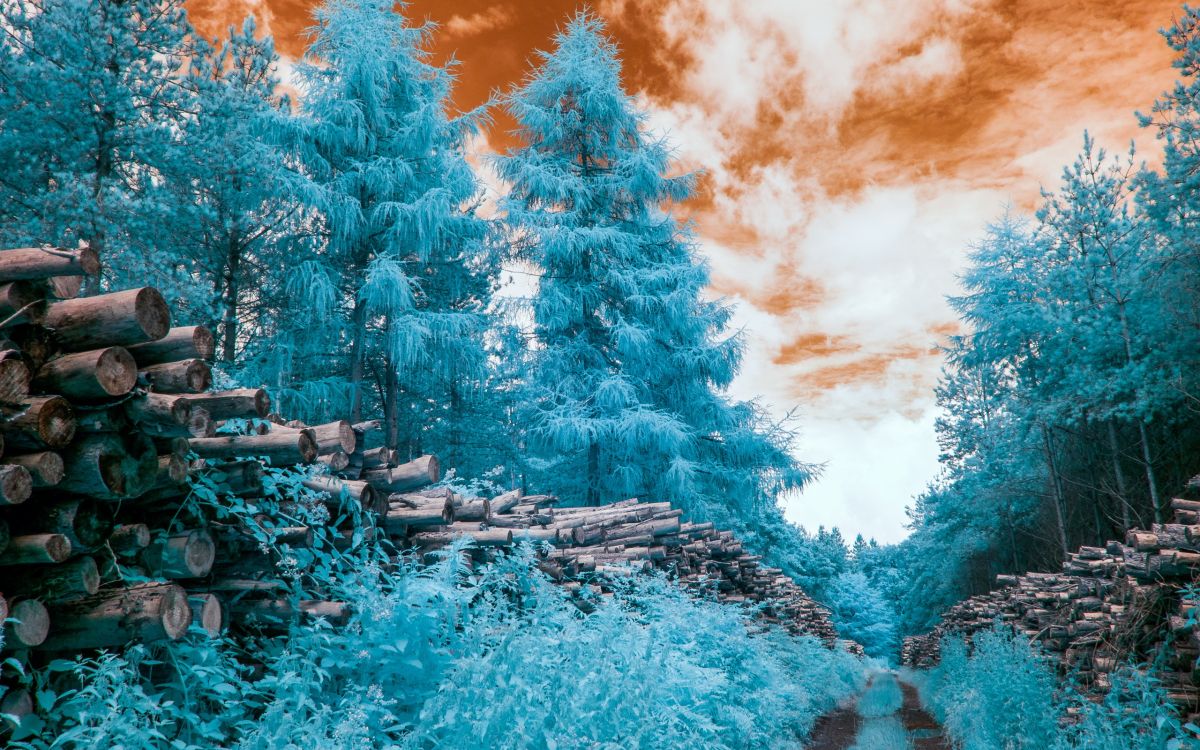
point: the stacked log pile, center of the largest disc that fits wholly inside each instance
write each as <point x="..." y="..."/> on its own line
<point x="117" y="464"/>
<point x="1110" y="605"/>
<point x="583" y="544"/>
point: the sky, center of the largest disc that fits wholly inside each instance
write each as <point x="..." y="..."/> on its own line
<point x="852" y="150"/>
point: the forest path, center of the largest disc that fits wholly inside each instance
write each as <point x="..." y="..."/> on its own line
<point x="888" y="715"/>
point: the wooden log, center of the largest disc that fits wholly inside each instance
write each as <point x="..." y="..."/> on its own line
<point x="359" y="493"/>
<point x="110" y="466"/>
<point x="14" y="377"/>
<point x="481" y="537"/>
<point x="160" y="409"/>
<point x="377" y="457"/>
<point x="188" y="554"/>
<point x="410" y="476"/>
<point x="129" y="539"/>
<point x="245" y="403"/>
<point x="45" y="467"/>
<point x="280" y="449"/>
<point x="39" y="422"/>
<point x="25" y="263"/>
<point x="280" y="613"/>
<point x="88" y="376"/>
<point x="73" y="579"/>
<point x="133" y="316"/>
<point x="188" y="376"/>
<point x="17" y="703"/>
<point x="242" y="478"/>
<point x="182" y="343"/>
<point x="28" y="624"/>
<point x="336" y="461"/>
<point x="434" y="514"/>
<point x="86" y="523"/>
<point x="208" y="613"/>
<point x="16" y="485"/>
<point x="36" y="549"/>
<point x="20" y="304"/>
<point x="140" y="612"/>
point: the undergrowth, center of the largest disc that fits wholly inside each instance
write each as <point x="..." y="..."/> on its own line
<point x="1005" y="695"/>
<point x="442" y="656"/>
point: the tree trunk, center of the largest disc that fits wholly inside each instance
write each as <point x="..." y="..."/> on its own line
<point x="1059" y="510"/>
<point x="1150" y="481"/>
<point x="593" y="473"/>
<point x="358" y="357"/>
<point x="133" y="316"/>
<point x="1119" y="475"/>
<point x="145" y="612"/>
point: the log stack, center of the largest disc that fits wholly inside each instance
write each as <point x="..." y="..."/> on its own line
<point x="1109" y="606"/>
<point x="118" y="467"/>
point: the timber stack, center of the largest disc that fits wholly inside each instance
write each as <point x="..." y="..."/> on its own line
<point x="118" y="466"/>
<point x="1108" y="607"/>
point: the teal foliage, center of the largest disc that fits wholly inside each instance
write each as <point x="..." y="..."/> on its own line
<point x="626" y="390"/>
<point x="435" y="657"/>
<point x="1003" y="694"/>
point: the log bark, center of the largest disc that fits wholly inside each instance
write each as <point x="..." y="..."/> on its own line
<point x="159" y="409"/>
<point x="359" y="493"/>
<point x="245" y="403"/>
<point x="39" y="422"/>
<point x="20" y="304"/>
<point x="36" y="549"/>
<point x="410" y="476"/>
<point x="86" y="523"/>
<point x="109" y="466"/>
<point x="188" y="376"/>
<point x="133" y="316"/>
<point x="52" y="584"/>
<point x="141" y="612"/>
<point x="45" y="262"/>
<point x="45" y="467"/>
<point x="336" y="461"/>
<point x="280" y="613"/>
<point x="332" y="437"/>
<point x="128" y="540"/>
<point x="280" y="449"/>
<point x="189" y="554"/>
<point x="28" y="624"/>
<point x="88" y="376"/>
<point x="185" y="342"/>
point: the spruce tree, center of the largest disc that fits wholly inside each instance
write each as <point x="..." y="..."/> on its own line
<point x="388" y="301"/>
<point x="630" y="359"/>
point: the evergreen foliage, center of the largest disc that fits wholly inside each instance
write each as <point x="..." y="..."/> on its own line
<point x="629" y="360"/>
<point x="384" y="302"/>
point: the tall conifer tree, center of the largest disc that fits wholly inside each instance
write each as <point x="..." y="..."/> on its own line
<point x="398" y="263"/>
<point x="630" y="360"/>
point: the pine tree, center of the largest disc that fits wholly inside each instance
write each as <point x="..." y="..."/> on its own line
<point x="92" y="107"/>
<point x="398" y="278"/>
<point x="235" y="207"/>
<point x="629" y="359"/>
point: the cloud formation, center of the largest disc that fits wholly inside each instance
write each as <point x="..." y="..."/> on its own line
<point x="851" y="152"/>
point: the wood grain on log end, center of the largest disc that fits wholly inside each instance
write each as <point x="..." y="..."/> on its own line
<point x="28" y="624"/>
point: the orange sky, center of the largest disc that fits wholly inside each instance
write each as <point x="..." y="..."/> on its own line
<point x="852" y="151"/>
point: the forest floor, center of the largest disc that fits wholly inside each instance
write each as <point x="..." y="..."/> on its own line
<point x="887" y="716"/>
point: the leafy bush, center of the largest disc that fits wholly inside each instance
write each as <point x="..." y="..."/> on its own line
<point x="437" y="656"/>
<point x="1004" y="695"/>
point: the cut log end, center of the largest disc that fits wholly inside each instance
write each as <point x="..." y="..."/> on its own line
<point x="28" y="624"/>
<point x="207" y="613"/>
<point x="152" y="313"/>
<point x="16" y="485"/>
